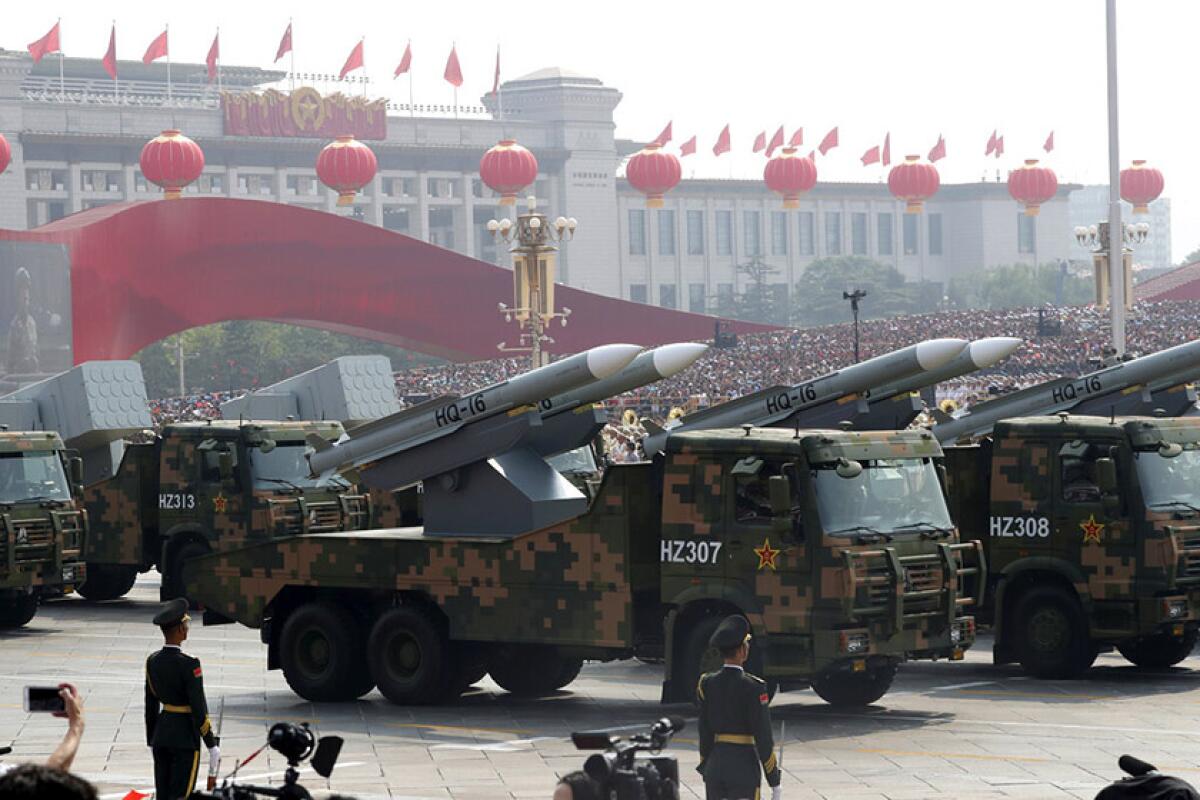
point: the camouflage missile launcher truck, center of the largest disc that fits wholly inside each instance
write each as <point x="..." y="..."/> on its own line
<point x="204" y="486"/>
<point x="41" y="528"/>
<point x="1091" y="528"/>
<point x="838" y="546"/>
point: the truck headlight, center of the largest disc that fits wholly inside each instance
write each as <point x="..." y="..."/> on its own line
<point x="854" y="643"/>
<point x="68" y="574"/>
<point x="956" y="635"/>
<point x="1176" y="608"/>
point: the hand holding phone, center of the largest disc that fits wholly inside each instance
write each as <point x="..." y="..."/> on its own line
<point x="44" y="699"/>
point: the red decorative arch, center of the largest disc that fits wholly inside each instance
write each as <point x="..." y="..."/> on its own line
<point x="143" y="271"/>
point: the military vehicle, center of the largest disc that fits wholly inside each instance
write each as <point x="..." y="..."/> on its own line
<point x="41" y="527"/>
<point x="203" y="486"/>
<point x="838" y="547"/>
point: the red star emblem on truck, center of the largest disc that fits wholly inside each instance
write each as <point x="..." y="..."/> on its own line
<point x="220" y="503"/>
<point x="766" y="555"/>
<point x="1091" y="529"/>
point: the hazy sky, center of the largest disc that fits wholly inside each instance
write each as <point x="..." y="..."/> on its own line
<point x="915" y="67"/>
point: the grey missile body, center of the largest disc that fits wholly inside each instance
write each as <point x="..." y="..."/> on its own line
<point x="444" y="415"/>
<point x="1066" y="394"/>
<point x="979" y="354"/>
<point x="777" y="403"/>
<point x="650" y="366"/>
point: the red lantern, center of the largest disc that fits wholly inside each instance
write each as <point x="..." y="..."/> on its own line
<point x="1141" y="186"/>
<point x="507" y="169"/>
<point x="791" y="176"/>
<point x="914" y="183"/>
<point x="5" y="153"/>
<point x="346" y="165"/>
<point x="653" y="173"/>
<point x="172" y="161"/>
<point x="1032" y="185"/>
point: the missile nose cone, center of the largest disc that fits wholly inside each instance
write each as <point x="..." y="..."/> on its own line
<point x="934" y="353"/>
<point x="671" y="359"/>
<point x="986" y="352"/>
<point x="609" y="359"/>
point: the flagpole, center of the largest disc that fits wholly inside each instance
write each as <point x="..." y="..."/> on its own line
<point x="363" y="42"/>
<point x="454" y="49"/>
<point x="116" y="83"/>
<point x="291" y="57"/>
<point x="218" y="63"/>
<point x="62" y="85"/>
<point x="412" y="110"/>
<point x="167" y="31"/>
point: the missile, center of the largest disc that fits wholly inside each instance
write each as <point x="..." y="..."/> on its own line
<point x="443" y="416"/>
<point x="649" y="367"/>
<point x="776" y="403"/>
<point x="979" y="354"/>
<point x="1066" y="394"/>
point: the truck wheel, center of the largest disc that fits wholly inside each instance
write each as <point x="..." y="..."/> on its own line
<point x="1160" y="650"/>
<point x="321" y="650"/>
<point x="470" y="666"/>
<point x="535" y="670"/>
<point x="1051" y="634"/>
<point x="854" y="688"/>
<point x="17" y="609"/>
<point x="172" y="582"/>
<point x="408" y="656"/>
<point x="107" y="581"/>
<point x="699" y="658"/>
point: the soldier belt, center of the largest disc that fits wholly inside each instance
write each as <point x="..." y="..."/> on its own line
<point x="735" y="738"/>
<point x="177" y="709"/>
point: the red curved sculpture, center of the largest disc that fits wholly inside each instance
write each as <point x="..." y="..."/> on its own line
<point x="143" y="271"/>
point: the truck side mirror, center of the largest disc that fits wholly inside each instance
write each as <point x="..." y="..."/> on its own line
<point x="75" y="467"/>
<point x="780" y="489"/>
<point x="266" y="446"/>
<point x="848" y="468"/>
<point x="225" y="466"/>
<point x="1106" y="476"/>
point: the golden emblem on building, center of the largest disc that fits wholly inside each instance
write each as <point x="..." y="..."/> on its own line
<point x="308" y="109"/>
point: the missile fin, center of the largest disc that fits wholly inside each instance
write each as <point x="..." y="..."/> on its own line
<point x="318" y="443"/>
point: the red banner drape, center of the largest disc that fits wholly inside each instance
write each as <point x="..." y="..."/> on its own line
<point x="303" y="113"/>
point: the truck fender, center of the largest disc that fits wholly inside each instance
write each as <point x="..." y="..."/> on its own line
<point x="702" y="601"/>
<point x="1012" y="574"/>
<point x="176" y="537"/>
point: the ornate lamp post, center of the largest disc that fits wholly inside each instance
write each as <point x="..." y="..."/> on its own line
<point x="854" y="297"/>
<point x="1097" y="238"/>
<point x="534" y="258"/>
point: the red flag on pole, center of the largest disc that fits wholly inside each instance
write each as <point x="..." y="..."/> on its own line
<point x="776" y="141"/>
<point x="999" y="146"/>
<point x="46" y="44"/>
<point x="829" y="142"/>
<point x="871" y="156"/>
<point x="688" y="147"/>
<point x="939" y="149"/>
<point x="110" y="56"/>
<point x="991" y="145"/>
<point x="157" y="49"/>
<point x="214" y="53"/>
<point x="812" y="155"/>
<point x="722" y="145"/>
<point x="760" y="141"/>
<point x="453" y="73"/>
<point x="1049" y="145"/>
<point x="496" y="79"/>
<point x="663" y="137"/>
<point x="797" y="138"/>
<point x="405" y="62"/>
<point x="285" y="44"/>
<point x="887" y="148"/>
<point x="353" y="61"/>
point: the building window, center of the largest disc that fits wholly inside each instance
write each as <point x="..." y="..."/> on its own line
<point x="432" y="187"/>
<point x="779" y="233"/>
<point x="885" y="234"/>
<point x="1026" y="234"/>
<point x="935" y="234"/>
<point x="637" y="234"/>
<point x="695" y="233"/>
<point x="724" y="233"/>
<point x="725" y="294"/>
<point x="910" y="234"/>
<point x="666" y="233"/>
<point x="666" y="295"/>
<point x="696" y="297"/>
<point x="808" y="243"/>
<point x="637" y="292"/>
<point x="858" y="233"/>
<point x="833" y="233"/>
<point x="751" y="233"/>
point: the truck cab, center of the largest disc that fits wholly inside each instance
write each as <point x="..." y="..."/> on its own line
<point x="42" y="529"/>
<point x="1091" y="526"/>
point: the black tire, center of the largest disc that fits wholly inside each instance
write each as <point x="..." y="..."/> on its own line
<point x="17" y="609"/>
<point x="1159" y="651"/>
<point x="1050" y="634"/>
<point x="699" y="658"/>
<point x="172" y="581"/>
<point x="470" y="665"/>
<point x="533" y="670"/>
<point x="107" y="581"/>
<point x="854" y="689"/>
<point x="409" y="658"/>
<point x="321" y="651"/>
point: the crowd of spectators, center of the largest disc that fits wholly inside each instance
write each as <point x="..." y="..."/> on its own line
<point x="204" y="405"/>
<point x="1058" y="341"/>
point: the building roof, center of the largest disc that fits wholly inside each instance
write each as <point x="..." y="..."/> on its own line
<point x="1178" y="284"/>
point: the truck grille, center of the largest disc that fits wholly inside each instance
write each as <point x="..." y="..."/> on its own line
<point x="295" y="517"/>
<point x="905" y="589"/>
<point x="34" y="541"/>
<point x="1189" y="547"/>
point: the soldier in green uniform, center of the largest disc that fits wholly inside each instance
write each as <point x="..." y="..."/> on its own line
<point x="735" y="721"/>
<point x="176" y="711"/>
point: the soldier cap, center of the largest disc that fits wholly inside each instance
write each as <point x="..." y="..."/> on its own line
<point x="172" y="613"/>
<point x="733" y="631"/>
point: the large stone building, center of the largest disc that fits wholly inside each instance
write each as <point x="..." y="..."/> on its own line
<point x="76" y="146"/>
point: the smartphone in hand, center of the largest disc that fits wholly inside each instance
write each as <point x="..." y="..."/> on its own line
<point x="44" y="699"/>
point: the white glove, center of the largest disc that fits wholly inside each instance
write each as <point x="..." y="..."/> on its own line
<point x="214" y="760"/>
<point x="776" y="793"/>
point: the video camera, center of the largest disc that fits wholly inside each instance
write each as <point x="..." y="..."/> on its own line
<point x="296" y="743"/>
<point x="622" y="773"/>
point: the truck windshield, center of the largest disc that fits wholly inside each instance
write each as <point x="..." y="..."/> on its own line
<point x="890" y="496"/>
<point x="285" y="467"/>
<point x="32" y="475"/>
<point x="1169" y="481"/>
<point x="579" y="460"/>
